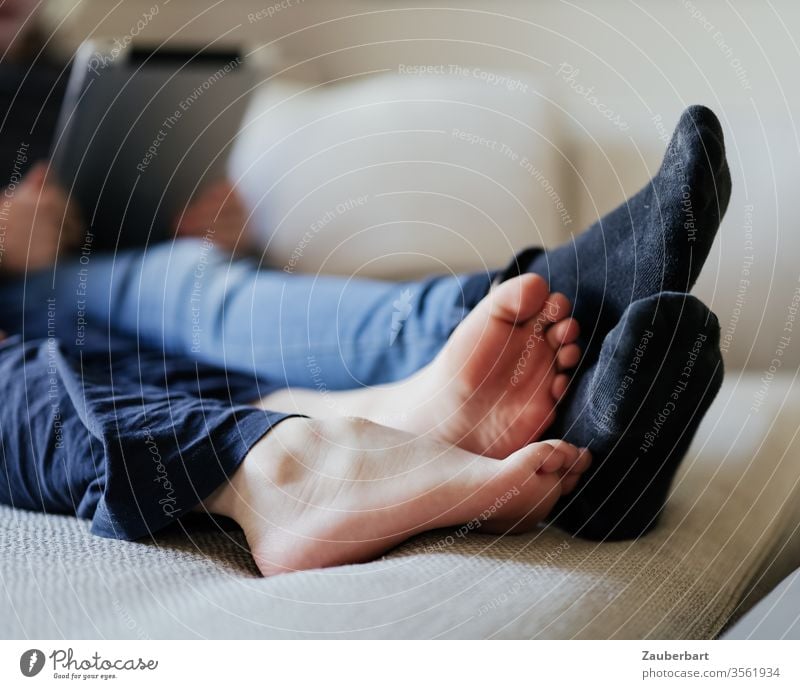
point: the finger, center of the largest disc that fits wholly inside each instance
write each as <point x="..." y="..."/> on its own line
<point x="190" y="231"/>
<point x="74" y="225"/>
<point x="36" y="175"/>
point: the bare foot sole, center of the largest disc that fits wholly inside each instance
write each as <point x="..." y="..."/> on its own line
<point x="503" y="370"/>
<point x="322" y="493"/>
<point x="491" y="390"/>
<point x="494" y="386"/>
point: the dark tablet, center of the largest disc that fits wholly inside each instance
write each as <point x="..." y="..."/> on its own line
<point x="141" y="131"/>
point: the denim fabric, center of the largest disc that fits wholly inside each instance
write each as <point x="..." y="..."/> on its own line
<point x="187" y="299"/>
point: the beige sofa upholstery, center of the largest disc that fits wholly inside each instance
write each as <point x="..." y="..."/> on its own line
<point x="726" y="535"/>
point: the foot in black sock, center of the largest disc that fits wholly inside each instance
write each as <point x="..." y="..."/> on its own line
<point x="656" y="241"/>
<point x="637" y="409"/>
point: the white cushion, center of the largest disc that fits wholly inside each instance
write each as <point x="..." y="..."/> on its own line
<point x="372" y="175"/>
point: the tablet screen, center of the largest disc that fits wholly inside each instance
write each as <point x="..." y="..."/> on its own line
<point x="142" y="131"/>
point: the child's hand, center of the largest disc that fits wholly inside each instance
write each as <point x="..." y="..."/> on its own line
<point x="218" y="214"/>
<point x="37" y="221"/>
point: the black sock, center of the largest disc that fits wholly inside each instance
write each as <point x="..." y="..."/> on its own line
<point x="655" y="242"/>
<point x="638" y="408"/>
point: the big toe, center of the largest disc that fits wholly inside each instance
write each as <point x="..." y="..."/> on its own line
<point x="519" y="299"/>
<point x="524" y="495"/>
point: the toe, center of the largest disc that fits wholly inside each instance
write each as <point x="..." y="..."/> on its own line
<point x="563" y="333"/>
<point x="519" y="299"/>
<point x="582" y="462"/>
<point x="535" y="492"/>
<point x="556" y="455"/>
<point x="560" y="385"/>
<point x="569" y="483"/>
<point x="557" y="307"/>
<point x="568" y="357"/>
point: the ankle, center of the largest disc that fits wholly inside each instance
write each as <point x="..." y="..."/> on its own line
<point x="268" y="467"/>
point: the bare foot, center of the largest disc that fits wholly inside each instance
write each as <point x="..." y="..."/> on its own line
<point x="321" y="493"/>
<point x="494" y="386"/>
<point x="491" y="390"/>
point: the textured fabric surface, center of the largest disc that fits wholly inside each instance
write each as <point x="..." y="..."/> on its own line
<point x="733" y="506"/>
<point x="777" y="616"/>
<point x="402" y="157"/>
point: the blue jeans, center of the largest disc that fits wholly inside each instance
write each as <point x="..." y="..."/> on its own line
<point x="190" y="300"/>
